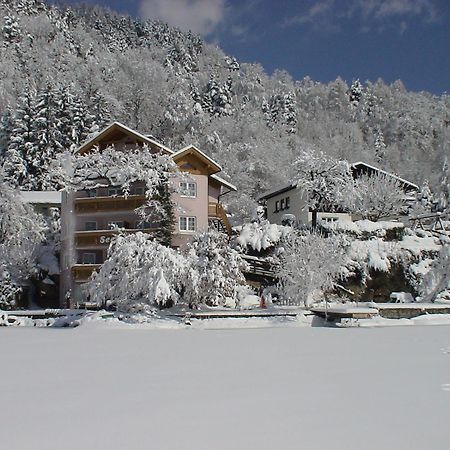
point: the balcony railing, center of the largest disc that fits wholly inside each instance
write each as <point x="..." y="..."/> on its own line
<point x="86" y="205"/>
<point x="217" y="210"/>
<point x="102" y="238"/>
<point x="82" y="272"/>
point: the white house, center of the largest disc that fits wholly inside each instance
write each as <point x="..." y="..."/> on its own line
<point x="287" y="203"/>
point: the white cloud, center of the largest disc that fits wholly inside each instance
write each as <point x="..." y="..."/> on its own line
<point x="199" y="16"/>
<point x="328" y="15"/>
<point x="389" y="8"/>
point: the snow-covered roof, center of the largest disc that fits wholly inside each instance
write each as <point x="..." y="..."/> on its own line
<point x="41" y="197"/>
<point x="224" y="182"/>
<point x="204" y="155"/>
<point x="288" y="186"/>
<point x="119" y="125"/>
<point x="402" y="180"/>
<point x="276" y="190"/>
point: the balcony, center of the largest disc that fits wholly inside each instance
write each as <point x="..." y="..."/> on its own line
<point x="82" y="272"/>
<point x="89" y="205"/>
<point x="102" y="238"/>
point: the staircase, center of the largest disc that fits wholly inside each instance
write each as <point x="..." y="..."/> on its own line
<point x="218" y="219"/>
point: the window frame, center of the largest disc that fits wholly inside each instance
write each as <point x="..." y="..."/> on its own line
<point x="91" y="193"/>
<point x="277" y="205"/>
<point x="188" y="219"/>
<point x="86" y="228"/>
<point x="84" y="254"/>
<point x="185" y="193"/>
<point x="118" y="191"/>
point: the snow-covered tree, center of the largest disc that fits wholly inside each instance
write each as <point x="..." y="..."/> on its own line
<point x="436" y="283"/>
<point x="138" y="275"/>
<point x="261" y="235"/>
<point x="309" y="266"/>
<point x="215" y="271"/>
<point x="424" y="200"/>
<point x="380" y="146"/>
<point x="325" y="181"/>
<point x="377" y="195"/>
<point x="444" y="191"/>
<point x="9" y="290"/>
<point x="111" y="167"/>
<point x="22" y="232"/>
<point x="355" y="93"/>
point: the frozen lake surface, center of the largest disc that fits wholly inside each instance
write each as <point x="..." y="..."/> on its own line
<point x="103" y="386"/>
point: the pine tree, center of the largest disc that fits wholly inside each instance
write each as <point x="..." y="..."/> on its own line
<point x="22" y="143"/>
<point x="444" y="193"/>
<point x="167" y="220"/>
<point x="5" y="133"/>
<point x="11" y="30"/>
<point x="380" y="146"/>
<point x="355" y="93"/>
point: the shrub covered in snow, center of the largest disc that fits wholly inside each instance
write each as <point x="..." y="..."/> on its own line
<point x="436" y="282"/>
<point x="215" y="271"/>
<point x="138" y="274"/>
<point x="309" y="266"/>
<point x="261" y="235"/>
<point x="376" y="196"/>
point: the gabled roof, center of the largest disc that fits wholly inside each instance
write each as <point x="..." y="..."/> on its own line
<point x="276" y="190"/>
<point x="225" y="183"/>
<point x="191" y="149"/>
<point x="289" y="186"/>
<point x="119" y="127"/>
<point x="406" y="183"/>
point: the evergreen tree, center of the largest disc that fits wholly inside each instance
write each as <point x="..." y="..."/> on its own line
<point x="167" y="220"/>
<point x="444" y="193"/>
<point x="355" y="93"/>
<point x="22" y="145"/>
<point x="380" y="146"/>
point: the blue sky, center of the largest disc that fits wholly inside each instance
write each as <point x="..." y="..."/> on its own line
<point x="323" y="39"/>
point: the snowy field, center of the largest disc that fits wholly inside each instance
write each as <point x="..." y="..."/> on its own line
<point x="103" y="386"/>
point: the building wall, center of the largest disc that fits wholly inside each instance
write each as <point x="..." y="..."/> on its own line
<point x="191" y="207"/>
<point x="298" y="207"/>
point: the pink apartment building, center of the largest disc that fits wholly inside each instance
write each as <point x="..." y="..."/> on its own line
<point x="88" y="216"/>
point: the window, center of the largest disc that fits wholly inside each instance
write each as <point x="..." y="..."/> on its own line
<point x="288" y="202"/>
<point x="92" y="193"/>
<point x="139" y="191"/>
<point x="113" y="191"/>
<point x="282" y="203"/>
<point x="188" y="189"/>
<point x="329" y="219"/>
<point x="188" y="223"/>
<point x="90" y="226"/>
<point x="277" y="206"/>
<point x="116" y="224"/>
<point x="88" y="258"/>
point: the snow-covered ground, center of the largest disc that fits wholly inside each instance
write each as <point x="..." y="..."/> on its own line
<point x="109" y="386"/>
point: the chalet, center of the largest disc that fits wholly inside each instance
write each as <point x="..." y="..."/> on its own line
<point x="287" y="203"/>
<point x="89" y="218"/>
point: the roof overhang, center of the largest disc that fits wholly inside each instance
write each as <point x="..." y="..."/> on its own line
<point x="407" y="184"/>
<point x="116" y="129"/>
<point x="211" y="166"/>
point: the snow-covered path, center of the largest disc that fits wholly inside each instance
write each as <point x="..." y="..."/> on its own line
<point x="272" y="388"/>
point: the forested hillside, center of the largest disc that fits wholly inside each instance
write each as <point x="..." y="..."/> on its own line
<point x="66" y="72"/>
